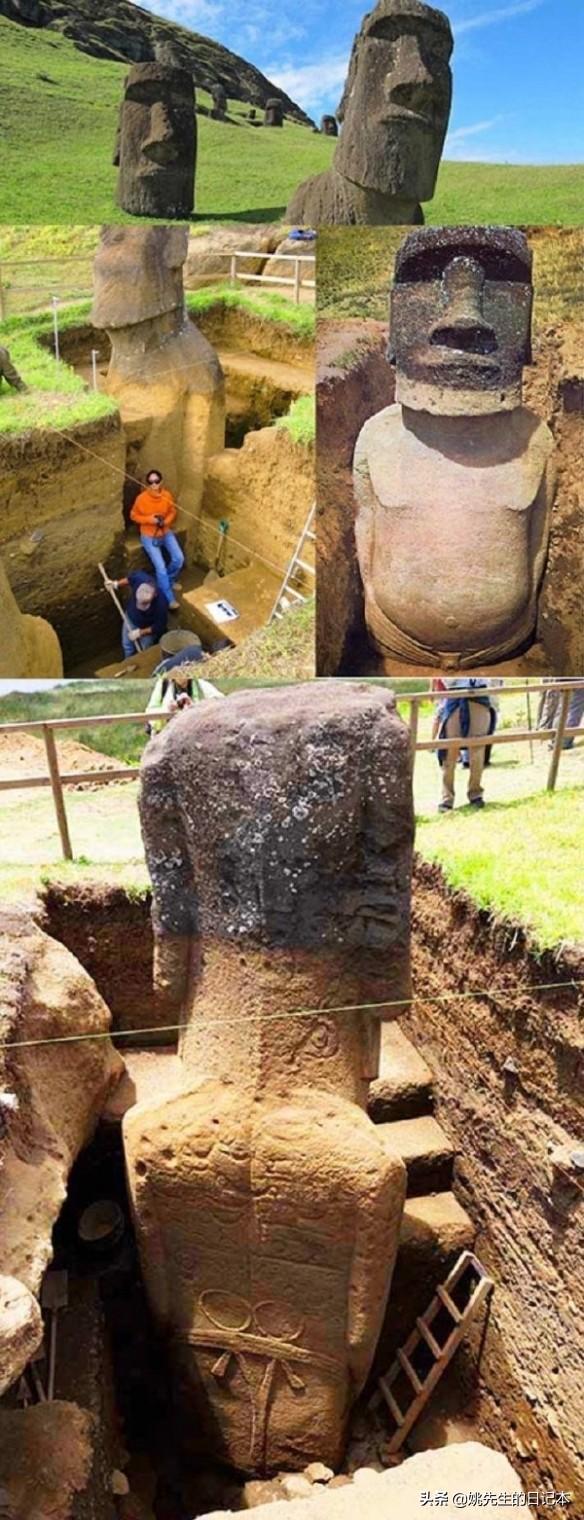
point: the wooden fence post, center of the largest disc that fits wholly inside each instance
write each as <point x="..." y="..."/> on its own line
<point x="57" y="790"/>
<point x="414" y="717"/>
<point x="559" y="739"/>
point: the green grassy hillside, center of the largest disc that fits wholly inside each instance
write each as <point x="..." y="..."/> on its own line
<point x="59" y="109"/>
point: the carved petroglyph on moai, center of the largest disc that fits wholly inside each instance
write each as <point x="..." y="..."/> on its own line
<point x="156" y="145"/>
<point x="164" y="375"/>
<point x="278" y="832"/>
<point x="274" y="113"/>
<point x="394" y="114"/>
<point x="454" y="483"/>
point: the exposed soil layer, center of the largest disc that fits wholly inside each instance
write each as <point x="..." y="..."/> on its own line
<point x="61" y="515"/>
<point x="506" y="1128"/>
<point x="110" y="933"/>
<point x="354" y="381"/>
<point x="24" y="754"/>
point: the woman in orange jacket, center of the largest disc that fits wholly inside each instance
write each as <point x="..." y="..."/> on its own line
<point x="154" y="511"/>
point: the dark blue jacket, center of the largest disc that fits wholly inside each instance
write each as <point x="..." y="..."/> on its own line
<point x="156" y="615"/>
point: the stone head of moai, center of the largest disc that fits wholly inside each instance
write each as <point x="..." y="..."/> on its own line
<point x="278" y="832"/>
<point x="329" y="126"/>
<point x="396" y="102"/>
<point x="219" y="98"/>
<point x="274" y="112"/>
<point x="138" y="275"/>
<point x="460" y="319"/>
<point x="158" y="140"/>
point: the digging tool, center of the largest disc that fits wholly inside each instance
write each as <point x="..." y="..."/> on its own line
<point x="40" y="1392"/>
<point x="115" y="598"/>
<point x="54" y="1296"/>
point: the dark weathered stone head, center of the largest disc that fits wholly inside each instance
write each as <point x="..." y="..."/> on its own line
<point x="274" y="113"/>
<point x="219" y="98"/>
<point x="329" y="126"/>
<point x="396" y="102"/>
<point x="137" y="274"/>
<point x="157" y="150"/>
<point x="460" y="319"/>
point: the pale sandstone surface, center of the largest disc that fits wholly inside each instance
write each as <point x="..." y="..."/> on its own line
<point x="265" y="490"/>
<point x="21" y="1328"/>
<point x="467" y="1469"/>
<point x="209" y="252"/>
<point x="55" y="1095"/>
<point x="267" y="1209"/>
<point x="46" y="1454"/>
<point x="28" y="645"/>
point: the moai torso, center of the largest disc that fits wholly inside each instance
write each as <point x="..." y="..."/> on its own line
<point x="394" y="113"/>
<point x="164" y="375"/>
<point x="278" y="833"/>
<point x="454" y="484"/>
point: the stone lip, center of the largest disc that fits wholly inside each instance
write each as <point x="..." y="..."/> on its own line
<point x="284" y="817"/>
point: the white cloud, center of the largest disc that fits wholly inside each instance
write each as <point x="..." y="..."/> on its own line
<point x="492" y="18"/>
<point x="311" y="84"/>
<point x="461" y="133"/>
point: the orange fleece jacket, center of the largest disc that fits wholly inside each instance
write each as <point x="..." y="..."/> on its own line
<point x="150" y="504"/>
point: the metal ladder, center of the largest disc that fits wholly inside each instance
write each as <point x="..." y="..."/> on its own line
<point x="281" y="604"/>
<point x="437" y="1350"/>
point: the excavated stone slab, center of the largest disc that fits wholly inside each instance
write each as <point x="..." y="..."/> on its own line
<point x="251" y="591"/>
<point x="436" y="1224"/>
<point x="470" y="1468"/>
<point x="403" y="1089"/>
<point x="426" y="1150"/>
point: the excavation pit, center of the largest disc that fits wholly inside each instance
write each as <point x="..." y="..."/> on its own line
<point x="498" y="1389"/>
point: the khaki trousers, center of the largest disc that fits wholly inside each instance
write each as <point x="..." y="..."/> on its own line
<point x="480" y="722"/>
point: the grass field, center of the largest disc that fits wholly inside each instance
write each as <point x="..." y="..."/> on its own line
<point x="520" y="857"/>
<point x="60" y="107"/>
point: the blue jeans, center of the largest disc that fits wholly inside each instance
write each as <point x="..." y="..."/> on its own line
<point x="165" y="574"/>
<point x="130" y="647"/>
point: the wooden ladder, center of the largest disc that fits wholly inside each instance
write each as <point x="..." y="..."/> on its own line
<point x="433" y="1343"/>
<point x="297" y="563"/>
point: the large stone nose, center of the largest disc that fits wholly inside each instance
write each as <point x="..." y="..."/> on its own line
<point x="409" y="81"/>
<point x="462" y="325"/>
<point x="160" y="144"/>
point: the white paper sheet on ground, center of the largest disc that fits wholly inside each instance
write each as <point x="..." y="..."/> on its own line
<point x="221" y="612"/>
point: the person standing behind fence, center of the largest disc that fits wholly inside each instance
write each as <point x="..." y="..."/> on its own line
<point x="154" y="511"/>
<point x="467" y="718"/>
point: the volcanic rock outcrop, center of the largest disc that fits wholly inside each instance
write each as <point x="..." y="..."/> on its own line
<point x="50" y="1099"/>
<point x="394" y="114"/>
<point x="278" y="831"/>
<point x="164" y="375"/>
<point x="454" y="483"/>
<point x="157" y="141"/>
<point x="28" y="645"/>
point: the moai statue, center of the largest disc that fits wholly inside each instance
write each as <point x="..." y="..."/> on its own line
<point x="394" y="114"/>
<point x="329" y="126"/>
<point x="164" y="375"/>
<point x="219" y="98"/>
<point x="156" y="146"/>
<point x="274" y="113"/>
<point x="454" y="484"/>
<point x="278" y="832"/>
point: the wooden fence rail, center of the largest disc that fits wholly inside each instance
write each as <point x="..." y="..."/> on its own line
<point x="58" y="779"/>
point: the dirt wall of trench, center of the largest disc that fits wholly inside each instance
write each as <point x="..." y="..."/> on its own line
<point x="62" y="513"/>
<point x="110" y="933"/>
<point x="240" y="329"/>
<point x="530" y="1398"/>
<point x="264" y="490"/>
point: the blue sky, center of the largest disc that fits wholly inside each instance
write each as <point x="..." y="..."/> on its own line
<point x="518" y="93"/>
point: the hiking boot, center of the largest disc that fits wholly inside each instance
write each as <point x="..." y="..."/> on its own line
<point x="477" y="802"/>
<point x="444" y="807"/>
<point x="173" y="607"/>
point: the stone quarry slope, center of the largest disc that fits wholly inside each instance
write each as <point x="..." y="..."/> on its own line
<point x="127" y="32"/>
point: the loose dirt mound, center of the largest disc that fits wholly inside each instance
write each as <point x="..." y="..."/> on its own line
<point x="24" y="755"/>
